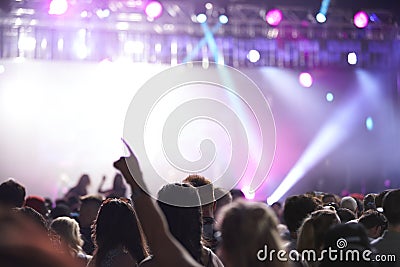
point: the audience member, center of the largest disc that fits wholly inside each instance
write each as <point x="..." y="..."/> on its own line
<point x="12" y="194"/>
<point x="388" y="243"/>
<point x="67" y="230"/>
<point x="79" y="190"/>
<point x="349" y="240"/>
<point x="313" y="230"/>
<point x="207" y="200"/>
<point x="37" y="203"/>
<point x="185" y="222"/>
<point x="296" y="209"/>
<point x="246" y="228"/>
<point x="90" y="206"/>
<point x="374" y="222"/>
<point x="117" y="235"/>
<point x="118" y="190"/>
<point x="346" y="215"/>
<point x="349" y="203"/>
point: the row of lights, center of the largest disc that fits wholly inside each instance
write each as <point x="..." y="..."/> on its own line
<point x="154" y="9"/>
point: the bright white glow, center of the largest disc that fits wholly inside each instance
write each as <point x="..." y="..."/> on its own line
<point x="18" y="22"/>
<point x="122" y="26"/>
<point x="247" y="193"/>
<point x="352" y="58"/>
<point x="223" y="19"/>
<point x="329" y="97"/>
<point x="102" y="13"/>
<point x="305" y="79"/>
<point x="154" y="9"/>
<point x="43" y="43"/>
<point x="133" y="47"/>
<point x="58" y="7"/>
<point x="60" y="44"/>
<point x="201" y="18"/>
<point x="84" y="14"/>
<point x="26" y="43"/>
<point x="2" y="69"/>
<point x="208" y="6"/>
<point x="369" y="123"/>
<point x="321" y="18"/>
<point x="253" y="56"/>
<point x="157" y="48"/>
<point x="81" y="51"/>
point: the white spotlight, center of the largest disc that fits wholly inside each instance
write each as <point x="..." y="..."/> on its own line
<point x="253" y="56"/>
<point x="321" y="18"/>
<point x="201" y="18"/>
<point x="352" y="58"/>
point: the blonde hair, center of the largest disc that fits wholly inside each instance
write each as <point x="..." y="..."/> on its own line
<point x="246" y="228"/>
<point x="314" y="228"/>
<point x="69" y="232"/>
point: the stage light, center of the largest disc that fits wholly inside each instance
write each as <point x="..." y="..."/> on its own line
<point x="43" y="43"/>
<point x="58" y="7"/>
<point x="329" y="97"/>
<point x="305" y="79"/>
<point x="361" y="19"/>
<point x="321" y="18"/>
<point x="102" y="13"/>
<point x="201" y="18"/>
<point x="223" y="19"/>
<point x="352" y="58"/>
<point x="60" y="44"/>
<point x="26" y="43"/>
<point x="2" y="69"/>
<point x="253" y="56"/>
<point x="369" y="123"/>
<point x="274" y="17"/>
<point x="153" y="9"/>
<point x="208" y="6"/>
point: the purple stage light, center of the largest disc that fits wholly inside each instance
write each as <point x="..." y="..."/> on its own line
<point x="305" y="79"/>
<point x="361" y="19"/>
<point x="274" y="17"/>
<point x="153" y="9"/>
<point x="58" y="7"/>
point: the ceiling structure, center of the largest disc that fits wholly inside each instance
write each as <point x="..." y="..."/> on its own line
<point x="104" y="27"/>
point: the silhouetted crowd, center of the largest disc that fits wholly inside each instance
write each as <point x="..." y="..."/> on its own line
<point x="192" y="223"/>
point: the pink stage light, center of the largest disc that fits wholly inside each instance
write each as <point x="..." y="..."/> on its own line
<point x="153" y="9"/>
<point x="58" y="7"/>
<point x="361" y="19"/>
<point x="305" y="79"/>
<point x="274" y="17"/>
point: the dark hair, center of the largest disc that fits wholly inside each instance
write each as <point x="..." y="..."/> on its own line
<point x="391" y="207"/>
<point x="296" y="209"/>
<point x="346" y="215"/>
<point x="356" y="239"/>
<point x="33" y="215"/>
<point x="12" y="194"/>
<point x="117" y="224"/>
<point x="95" y="199"/>
<point x="373" y="218"/>
<point x="184" y="222"/>
<point x="379" y="198"/>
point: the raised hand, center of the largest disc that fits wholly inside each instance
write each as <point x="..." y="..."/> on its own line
<point x="130" y="169"/>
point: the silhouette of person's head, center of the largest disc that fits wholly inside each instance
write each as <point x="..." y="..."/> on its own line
<point x="12" y="194"/>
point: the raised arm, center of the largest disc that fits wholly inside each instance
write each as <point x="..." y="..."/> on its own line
<point x="165" y="248"/>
